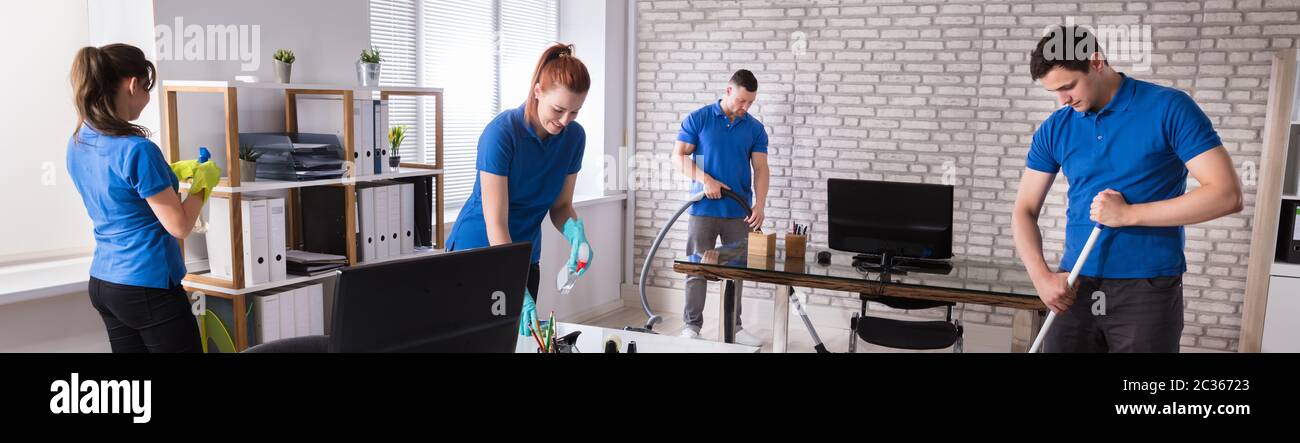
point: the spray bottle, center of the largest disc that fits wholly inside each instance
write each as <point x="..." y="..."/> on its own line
<point x="565" y="280"/>
<point x="199" y="226"/>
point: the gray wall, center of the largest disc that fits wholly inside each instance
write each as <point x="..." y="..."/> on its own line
<point x="326" y="37"/>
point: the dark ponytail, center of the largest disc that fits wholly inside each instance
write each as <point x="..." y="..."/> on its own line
<point x="96" y="75"/>
<point x="557" y="67"/>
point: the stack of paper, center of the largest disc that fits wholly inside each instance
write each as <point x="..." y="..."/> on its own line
<point x="311" y="263"/>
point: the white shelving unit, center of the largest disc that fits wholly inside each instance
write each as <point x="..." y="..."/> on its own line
<point x="233" y="187"/>
<point x="206" y="84"/>
<point x="226" y="292"/>
<point x="1284" y="269"/>
<point x="418" y="253"/>
<point x="271" y="185"/>
<point x="304" y="279"/>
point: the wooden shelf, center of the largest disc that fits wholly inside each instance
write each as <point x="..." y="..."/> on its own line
<point x="182" y="85"/>
<point x="418" y="253"/>
<point x="202" y="281"/>
<point x="271" y="185"/>
<point x="223" y="292"/>
<point x="1284" y="269"/>
<point x="232" y="186"/>
<point x="1269" y="193"/>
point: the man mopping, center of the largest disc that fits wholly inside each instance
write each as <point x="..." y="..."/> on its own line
<point x="1126" y="147"/>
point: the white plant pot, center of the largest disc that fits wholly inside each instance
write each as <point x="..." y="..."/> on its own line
<point x="368" y="74"/>
<point x="283" y="71"/>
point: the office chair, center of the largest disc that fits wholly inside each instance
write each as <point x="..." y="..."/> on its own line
<point x="447" y="302"/>
<point x="901" y="334"/>
<point x="211" y="329"/>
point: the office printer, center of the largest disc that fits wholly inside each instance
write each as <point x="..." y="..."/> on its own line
<point x="296" y="157"/>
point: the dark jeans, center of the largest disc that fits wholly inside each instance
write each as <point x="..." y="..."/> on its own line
<point x="143" y="319"/>
<point x="1140" y="315"/>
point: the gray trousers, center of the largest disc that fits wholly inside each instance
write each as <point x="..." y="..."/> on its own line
<point x="702" y="235"/>
<point x="1139" y="315"/>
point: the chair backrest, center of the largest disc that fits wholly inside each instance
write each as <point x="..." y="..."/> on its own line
<point x="463" y="301"/>
<point x="211" y="327"/>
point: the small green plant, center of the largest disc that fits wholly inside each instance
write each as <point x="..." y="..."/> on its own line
<point x="246" y="153"/>
<point x="285" y="56"/>
<point x="371" y="56"/>
<point x="396" y="136"/>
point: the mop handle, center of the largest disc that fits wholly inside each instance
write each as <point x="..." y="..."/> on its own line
<point x="1069" y="282"/>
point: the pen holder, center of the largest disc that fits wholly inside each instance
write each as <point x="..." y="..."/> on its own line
<point x="561" y="347"/>
<point x="567" y="344"/>
<point x="795" y="264"/>
<point x="795" y="245"/>
<point x="761" y="244"/>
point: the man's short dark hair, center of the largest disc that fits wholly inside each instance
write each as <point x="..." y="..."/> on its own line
<point x="1069" y="47"/>
<point x="745" y="79"/>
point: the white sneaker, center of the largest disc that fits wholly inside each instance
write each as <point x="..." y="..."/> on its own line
<point x="690" y="333"/>
<point x="743" y="337"/>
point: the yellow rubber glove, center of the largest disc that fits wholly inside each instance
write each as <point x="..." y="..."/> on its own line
<point x="184" y="169"/>
<point x="206" y="176"/>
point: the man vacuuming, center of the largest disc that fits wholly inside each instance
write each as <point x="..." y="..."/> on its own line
<point x="717" y="147"/>
<point x="1126" y="147"/>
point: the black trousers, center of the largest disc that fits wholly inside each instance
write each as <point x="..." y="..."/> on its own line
<point x="1121" y="315"/>
<point x="534" y="279"/>
<point x="141" y="319"/>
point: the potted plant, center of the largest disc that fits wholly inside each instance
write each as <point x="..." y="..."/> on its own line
<point x="283" y="65"/>
<point x="368" y="67"/>
<point x="248" y="163"/>
<point x="396" y="136"/>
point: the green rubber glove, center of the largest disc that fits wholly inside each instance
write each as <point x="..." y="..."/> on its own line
<point x="206" y="176"/>
<point x="184" y="169"/>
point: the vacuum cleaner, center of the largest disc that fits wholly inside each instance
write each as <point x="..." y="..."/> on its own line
<point x="652" y="319"/>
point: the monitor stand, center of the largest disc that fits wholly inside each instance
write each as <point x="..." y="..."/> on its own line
<point x="888" y="264"/>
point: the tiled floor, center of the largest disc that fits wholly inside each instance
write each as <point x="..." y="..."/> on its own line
<point x="979" y="338"/>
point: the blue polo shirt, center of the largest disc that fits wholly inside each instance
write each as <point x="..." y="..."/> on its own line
<point x="535" y="170"/>
<point x="723" y="149"/>
<point x="114" y="176"/>
<point x="1138" y="144"/>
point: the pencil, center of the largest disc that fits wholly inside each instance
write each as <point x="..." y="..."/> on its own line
<point x="535" y="337"/>
<point x="536" y="326"/>
<point x="551" y="326"/>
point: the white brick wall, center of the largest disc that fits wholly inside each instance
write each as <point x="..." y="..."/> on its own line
<point x="894" y="89"/>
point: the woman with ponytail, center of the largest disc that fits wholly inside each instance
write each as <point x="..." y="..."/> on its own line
<point x="528" y="162"/>
<point x="131" y="195"/>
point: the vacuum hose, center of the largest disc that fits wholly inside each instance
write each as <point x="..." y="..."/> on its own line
<point x="654" y="247"/>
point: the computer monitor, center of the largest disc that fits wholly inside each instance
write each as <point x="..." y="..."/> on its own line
<point x="464" y="301"/>
<point x="912" y="220"/>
